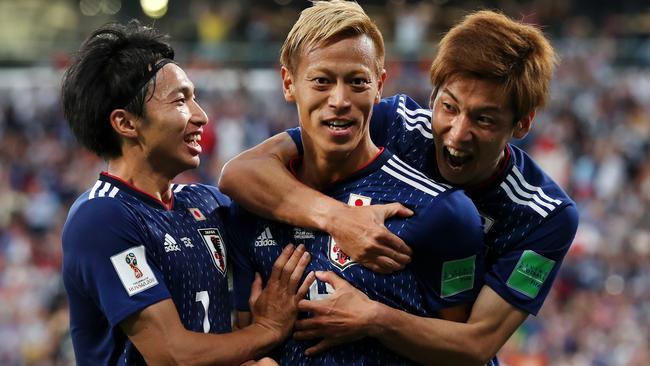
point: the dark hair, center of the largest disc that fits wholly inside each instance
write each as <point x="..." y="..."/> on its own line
<point x="111" y="70"/>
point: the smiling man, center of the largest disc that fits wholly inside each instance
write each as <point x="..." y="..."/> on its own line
<point x="490" y="76"/>
<point x="332" y="69"/>
<point x="144" y="260"/>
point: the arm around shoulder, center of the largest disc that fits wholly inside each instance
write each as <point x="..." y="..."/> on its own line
<point x="271" y="190"/>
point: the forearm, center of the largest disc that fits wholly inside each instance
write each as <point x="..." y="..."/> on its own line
<point x="441" y="342"/>
<point x="161" y="338"/>
<point x="249" y="343"/>
<point x="260" y="181"/>
<point x="429" y="341"/>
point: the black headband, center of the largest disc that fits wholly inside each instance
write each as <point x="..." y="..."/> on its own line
<point x="143" y="80"/>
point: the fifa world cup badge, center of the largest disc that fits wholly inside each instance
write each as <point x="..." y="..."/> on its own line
<point x="132" y="261"/>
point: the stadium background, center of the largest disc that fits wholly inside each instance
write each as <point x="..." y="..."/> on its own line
<point x="593" y="139"/>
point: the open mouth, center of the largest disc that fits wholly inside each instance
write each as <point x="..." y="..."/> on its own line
<point x="193" y="139"/>
<point x="338" y="124"/>
<point x="456" y="158"/>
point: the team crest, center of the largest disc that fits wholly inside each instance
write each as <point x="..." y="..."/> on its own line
<point x="217" y="248"/>
<point x="359" y="200"/>
<point x="338" y="257"/>
<point x="197" y="214"/>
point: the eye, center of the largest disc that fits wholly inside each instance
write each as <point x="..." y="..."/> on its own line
<point x="321" y="81"/>
<point x="180" y="100"/>
<point x="485" y="120"/>
<point x="360" y="82"/>
<point x="447" y="107"/>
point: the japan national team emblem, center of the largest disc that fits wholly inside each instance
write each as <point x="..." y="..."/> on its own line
<point x="338" y="256"/>
<point x="214" y="242"/>
<point x="132" y="261"/>
<point x="359" y="200"/>
<point x="197" y="214"/>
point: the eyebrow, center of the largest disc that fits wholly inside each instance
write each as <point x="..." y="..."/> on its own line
<point x="184" y="89"/>
<point x="486" y="108"/>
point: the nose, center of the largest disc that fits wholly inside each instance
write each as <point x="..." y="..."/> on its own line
<point x="338" y="98"/>
<point x="199" y="116"/>
<point x="461" y="129"/>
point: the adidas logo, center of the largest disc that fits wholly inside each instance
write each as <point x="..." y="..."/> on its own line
<point x="170" y="244"/>
<point x="265" y="239"/>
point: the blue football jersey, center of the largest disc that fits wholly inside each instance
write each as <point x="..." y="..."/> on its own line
<point x="445" y="234"/>
<point x="124" y="250"/>
<point x="529" y="221"/>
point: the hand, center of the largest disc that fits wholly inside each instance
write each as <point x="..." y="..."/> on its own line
<point x="342" y="317"/>
<point x="275" y="307"/>
<point x="361" y="233"/>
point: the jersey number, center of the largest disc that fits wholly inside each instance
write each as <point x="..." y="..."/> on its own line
<point x="204" y="299"/>
<point x="315" y="295"/>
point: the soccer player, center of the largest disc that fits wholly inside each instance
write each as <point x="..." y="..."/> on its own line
<point x="490" y="76"/>
<point x="145" y="260"/>
<point x="332" y="68"/>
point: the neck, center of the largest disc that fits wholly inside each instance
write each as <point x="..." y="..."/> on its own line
<point x="319" y="169"/>
<point x="140" y="174"/>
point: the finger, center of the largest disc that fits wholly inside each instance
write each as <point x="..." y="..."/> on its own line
<point x="321" y="346"/>
<point x="390" y="240"/>
<point x="267" y="361"/>
<point x="291" y="264"/>
<point x="331" y="278"/>
<point x="256" y="290"/>
<point x="397" y="209"/>
<point x="311" y="306"/>
<point x="296" y="275"/>
<point x="304" y="288"/>
<point x="306" y="335"/>
<point x="384" y="265"/>
<point x="280" y="262"/>
<point x="308" y="324"/>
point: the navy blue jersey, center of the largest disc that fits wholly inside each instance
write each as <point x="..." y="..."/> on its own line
<point x="445" y="234"/>
<point x="123" y="251"/>
<point x="528" y="219"/>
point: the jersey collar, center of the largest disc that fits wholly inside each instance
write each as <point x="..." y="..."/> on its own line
<point x="132" y="190"/>
<point x="375" y="163"/>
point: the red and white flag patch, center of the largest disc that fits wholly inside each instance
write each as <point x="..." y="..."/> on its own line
<point x="197" y="214"/>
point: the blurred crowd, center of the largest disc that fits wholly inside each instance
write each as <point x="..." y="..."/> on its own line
<point x="593" y="138"/>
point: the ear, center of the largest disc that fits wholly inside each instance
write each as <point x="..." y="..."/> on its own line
<point x="380" y="85"/>
<point x="287" y="85"/>
<point x="523" y="126"/>
<point x="123" y="123"/>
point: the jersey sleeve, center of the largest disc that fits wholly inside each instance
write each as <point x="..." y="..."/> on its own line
<point x="401" y="125"/>
<point x="295" y="135"/>
<point x="223" y="200"/>
<point x="241" y="256"/>
<point x="524" y="275"/>
<point x="106" y="260"/>
<point x="448" y="251"/>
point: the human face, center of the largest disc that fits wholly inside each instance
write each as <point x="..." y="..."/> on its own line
<point x="170" y="133"/>
<point x="473" y="119"/>
<point x="334" y="88"/>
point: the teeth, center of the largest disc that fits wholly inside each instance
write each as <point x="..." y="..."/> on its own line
<point x="456" y="153"/>
<point x="338" y="123"/>
<point x="193" y="138"/>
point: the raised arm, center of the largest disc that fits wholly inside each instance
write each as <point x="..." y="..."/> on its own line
<point x="160" y="337"/>
<point x="259" y="180"/>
